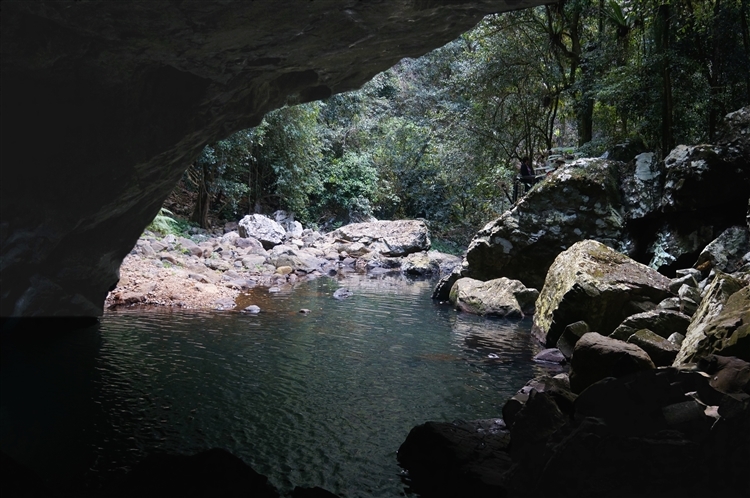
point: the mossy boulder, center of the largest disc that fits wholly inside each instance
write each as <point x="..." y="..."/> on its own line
<point x="596" y="284"/>
<point x="722" y="323"/>
<point x="579" y="201"/>
<point x="501" y="297"/>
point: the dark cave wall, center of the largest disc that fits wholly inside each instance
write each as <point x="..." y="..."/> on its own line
<point x="104" y="104"/>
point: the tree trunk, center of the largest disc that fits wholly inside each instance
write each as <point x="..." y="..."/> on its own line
<point x="200" y="213"/>
<point x="662" y="46"/>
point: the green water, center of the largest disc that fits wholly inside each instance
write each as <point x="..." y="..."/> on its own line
<point x="318" y="399"/>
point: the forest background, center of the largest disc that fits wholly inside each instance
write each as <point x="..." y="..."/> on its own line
<point x="439" y="137"/>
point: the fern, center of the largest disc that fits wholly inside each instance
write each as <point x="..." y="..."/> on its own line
<point x="163" y="223"/>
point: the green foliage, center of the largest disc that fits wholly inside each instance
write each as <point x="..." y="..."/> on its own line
<point x="439" y="137"/>
<point x="163" y="223"/>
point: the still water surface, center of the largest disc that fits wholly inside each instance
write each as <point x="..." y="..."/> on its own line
<point x="319" y="399"/>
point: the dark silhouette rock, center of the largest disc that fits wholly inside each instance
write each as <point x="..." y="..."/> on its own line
<point x="456" y="459"/>
<point x="596" y="357"/>
<point x="214" y="472"/>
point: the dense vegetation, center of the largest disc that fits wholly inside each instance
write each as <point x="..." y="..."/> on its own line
<point x="439" y="137"/>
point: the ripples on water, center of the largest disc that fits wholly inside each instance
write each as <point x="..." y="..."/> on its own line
<point x="319" y="399"/>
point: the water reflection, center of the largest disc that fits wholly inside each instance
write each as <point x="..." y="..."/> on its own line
<point x="319" y="399"/>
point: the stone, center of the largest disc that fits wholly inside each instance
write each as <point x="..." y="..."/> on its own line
<point x="500" y="297"/>
<point x="676" y="339"/>
<point x="594" y="283"/>
<point x="263" y="228"/>
<point x="214" y="472"/>
<point x="538" y="419"/>
<point x="342" y="293"/>
<point x="445" y="284"/>
<point x="550" y="355"/>
<point x="661" y="322"/>
<point x="728" y="375"/>
<point x="726" y="251"/>
<point x="596" y="357"/>
<point x="247" y="243"/>
<point x="676" y="283"/>
<point x="190" y="246"/>
<point x="286" y="220"/>
<point x="390" y="238"/>
<point x="570" y="335"/>
<point x="661" y="351"/>
<point x="419" y="264"/>
<point x="576" y="202"/>
<point x="722" y="323"/>
<point x="677" y="241"/>
<point x="252" y="309"/>
<point x="670" y="304"/>
<point x="639" y="186"/>
<point x="457" y="459"/>
<point x="158" y="246"/>
<point x="704" y="178"/>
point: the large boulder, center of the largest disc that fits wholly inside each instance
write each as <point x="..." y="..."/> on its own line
<point x="389" y="238"/>
<point x="591" y="282"/>
<point x="705" y="178"/>
<point x="640" y="186"/>
<point x="499" y="297"/>
<point x="722" y="323"/>
<point x="576" y="202"/>
<point x="263" y="228"/>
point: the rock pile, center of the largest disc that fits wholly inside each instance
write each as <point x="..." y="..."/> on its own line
<point x="209" y="271"/>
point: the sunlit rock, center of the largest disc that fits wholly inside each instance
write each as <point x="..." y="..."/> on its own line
<point x="498" y="297"/>
<point x="721" y="325"/>
<point x="390" y="238"/>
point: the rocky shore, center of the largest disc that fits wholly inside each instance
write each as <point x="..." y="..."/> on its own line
<point x="657" y="399"/>
<point x="209" y="271"/>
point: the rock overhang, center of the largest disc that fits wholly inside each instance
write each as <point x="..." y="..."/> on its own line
<point x="104" y="104"/>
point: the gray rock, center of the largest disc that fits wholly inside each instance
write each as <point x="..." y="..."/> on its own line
<point x="247" y="243"/>
<point x="190" y="246"/>
<point x="342" y="293"/>
<point x="252" y="309"/>
<point x="578" y="201"/>
<point x="390" y="238"/>
<point x="670" y="304"/>
<point x="263" y="228"/>
<point x="596" y="357"/>
<point x="722" y="323"/>
<point x="676" y="339"/>
<point x="676" y="283"/>
<point x="595" y="284"/>
<point x="499" y="297"/>
<point x="550" y="355"/>
<point x="726" y="252"/>
<point x="661" y="351"/>
<point x="661" y="322"/>
<point x="567" y="341"/>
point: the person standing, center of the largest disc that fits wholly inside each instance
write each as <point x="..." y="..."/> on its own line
<point x="528" y="176"/>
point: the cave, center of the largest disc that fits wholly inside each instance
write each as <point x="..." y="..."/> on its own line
<point x="105" y="104"/>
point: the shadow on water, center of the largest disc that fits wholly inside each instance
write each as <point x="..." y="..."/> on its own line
<point x="318" y="399"/>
